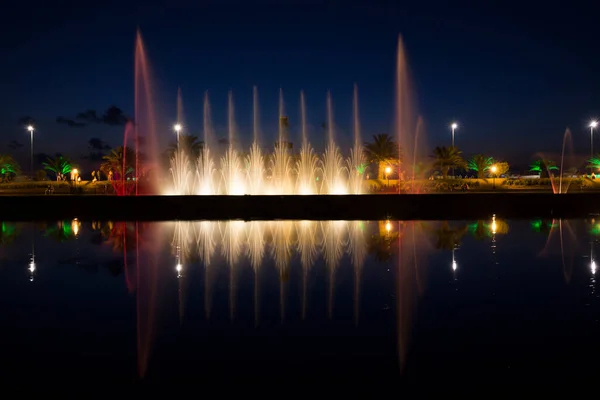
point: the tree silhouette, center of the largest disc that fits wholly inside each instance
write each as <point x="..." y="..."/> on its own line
<point x="445" y="158"/>
<point x="383" y="150"/>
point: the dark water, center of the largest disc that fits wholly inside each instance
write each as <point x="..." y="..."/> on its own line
<point x="362" y="302"/>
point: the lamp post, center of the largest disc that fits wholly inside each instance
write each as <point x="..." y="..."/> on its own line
<point x="454" y="126"/>
<point x="494" y="169"/>
<point x="177" y="129"/>
<point x="30" y="128"/>
<point x="593" y="125"/>
<point x="75" y="176"/>
<point x="388" y="170"/>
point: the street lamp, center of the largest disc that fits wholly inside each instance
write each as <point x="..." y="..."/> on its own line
<point x="593" y="124"/>
<point x="30" y="128"/>
<point x="177" y="129"/>
<point x="388" y="170"/>
<point x="494" y="169"/>
<point x="454" y="126"/>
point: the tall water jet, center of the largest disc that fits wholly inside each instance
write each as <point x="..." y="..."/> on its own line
<point x="570" y="170"/>
<point x="256" y="166"/>
<point x="333" y="162"/>
<point x="416" y="171"/>
<point x="308" y="162"/>
<point x="145" y="125"/>
<point x="356" y="162"/>
<point x="404" y="112"/>
<point x="231" y="163"/>
<point x="180" y="119"/>
<point x="205" y="165"/>
<point x="281" y="171"/>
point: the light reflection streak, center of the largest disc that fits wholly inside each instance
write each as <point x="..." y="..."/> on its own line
<point x="231" y="244"/>
<point x="333" y="250"/>
<point x="567" y="245"/>
<point x="357" y="249"/>
<point x="281" y="232"/>
<point x="232" y="233"/>
<point x="256" y="254"/>
<point x="206" y="247"/>
<point x="308" y="240"/>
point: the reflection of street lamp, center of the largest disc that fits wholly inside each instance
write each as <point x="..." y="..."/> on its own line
<point x="31" y="268"/>
<point x="494" y="169"/>
<point x="388" y="226"/>
<point x="454" y="263"/>
<point x="388" y="170"/>
<point x="30" y="128"/>
<point x="75" y="224"/>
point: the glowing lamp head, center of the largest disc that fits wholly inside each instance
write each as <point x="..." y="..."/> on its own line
<point x="30" y="128"/>
<point x="388" y="170"/>
<point x="454" y="125"/>
<point x="494" y="169"/>
<point x="177" y="127"/>
<point x="75" y="171"/>
<point x="593" y="124"/>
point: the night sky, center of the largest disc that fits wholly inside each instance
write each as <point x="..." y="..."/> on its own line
<point x="513" y="77"/>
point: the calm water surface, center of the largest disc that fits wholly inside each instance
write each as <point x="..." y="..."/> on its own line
<point x="371" y="301"/>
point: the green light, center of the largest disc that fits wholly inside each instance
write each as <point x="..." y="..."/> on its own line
<point x="595" y="230"/>
<point x="66" y="226"/>
<point x="536" y="225"/>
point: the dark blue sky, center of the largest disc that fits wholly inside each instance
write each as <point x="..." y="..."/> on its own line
<point x="514" y="76"/>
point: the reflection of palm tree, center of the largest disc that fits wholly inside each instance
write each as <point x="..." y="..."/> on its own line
<point x="383" y="245"/>
<point x="8" y="233"/>
<point x="61" y="232"/>
<point x="118" y="235"/>
<point x="480" y="230"/>
<point x="447" y="237"/>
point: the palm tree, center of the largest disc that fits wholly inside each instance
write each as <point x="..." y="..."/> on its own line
<point x="481" y="164"/>
<point x="113" y="162"/>
<point x="8" y="167"/>
<point x="594" y="163"/>
<point x="543" y="167"/>
<point x="189" y="144"/>
<point x="59" y="165"/>
<point x="383" y="151"/>
<point x="446" y="158"/>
